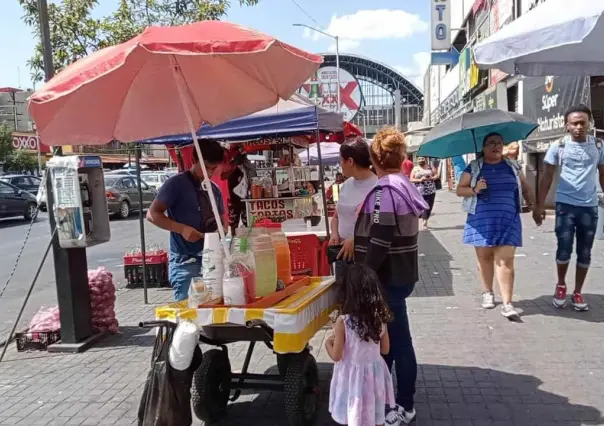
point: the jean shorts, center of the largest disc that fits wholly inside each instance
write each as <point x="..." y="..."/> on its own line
<point x="181" y="270"/>
<point x="572" y="221"/>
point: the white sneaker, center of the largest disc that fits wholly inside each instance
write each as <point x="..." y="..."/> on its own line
<point x="509" y="312"/>
<point x="488" y="300"/>
<point x="392" y="418"/>
<point x="404" y="417"/>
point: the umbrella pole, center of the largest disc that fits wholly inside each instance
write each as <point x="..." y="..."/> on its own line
<point x="322" y="177"/>
<point x="207" y="183"/>
<point x="141" y="220"/>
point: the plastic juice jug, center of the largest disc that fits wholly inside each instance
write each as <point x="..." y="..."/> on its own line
<point x="266" y="265"/>
<point x="283" y="256"/>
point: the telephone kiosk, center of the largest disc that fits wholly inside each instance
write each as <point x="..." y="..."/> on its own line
<point x="80" y="203"/>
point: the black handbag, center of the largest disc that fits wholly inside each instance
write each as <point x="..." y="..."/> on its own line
<point x="332" y="253"/>
<point x="208" y="221"/>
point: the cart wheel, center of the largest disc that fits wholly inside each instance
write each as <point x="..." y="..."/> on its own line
<point x="301" y="389"/>
<point x="211" y="386"/>
<point x="282" y="361"/>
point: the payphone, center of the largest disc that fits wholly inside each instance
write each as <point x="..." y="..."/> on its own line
<point x="80" y="204"/>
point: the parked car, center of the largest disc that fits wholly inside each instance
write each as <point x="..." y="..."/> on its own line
<point x="126" y="172"/>
<point x="122" y="195"/>
<point x="27" y="183"/>
<point x="16" y="202"/>
<point x="154" y="179"/>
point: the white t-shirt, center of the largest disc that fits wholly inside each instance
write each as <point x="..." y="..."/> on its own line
<point x="352" y="194"/>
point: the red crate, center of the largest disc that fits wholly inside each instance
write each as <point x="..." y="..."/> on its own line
<point x="150" y="259"/>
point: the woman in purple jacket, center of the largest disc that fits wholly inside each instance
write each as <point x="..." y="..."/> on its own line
<point x="385" y="239"/>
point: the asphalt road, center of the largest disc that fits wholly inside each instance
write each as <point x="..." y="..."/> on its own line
<point x="125" y="234"/>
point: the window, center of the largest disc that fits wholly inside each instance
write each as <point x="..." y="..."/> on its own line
<point x="6" y="189"/>
<point x="21" y="181"/>
<point x="128" y="183"/>
<point x="151" y="178"/>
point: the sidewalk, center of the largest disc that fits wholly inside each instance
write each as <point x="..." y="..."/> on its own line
<point x="476" y="368"/>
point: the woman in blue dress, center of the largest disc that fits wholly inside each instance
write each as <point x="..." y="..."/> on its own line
<point x="491" y="186"/>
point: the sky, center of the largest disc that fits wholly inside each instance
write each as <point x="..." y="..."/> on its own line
<point x="393" y="32"/>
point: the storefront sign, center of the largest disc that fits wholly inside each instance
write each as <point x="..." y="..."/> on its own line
<point x="546" y="99"/>
<point x="322" y="89"/>
<point x="465" y="61"/>
<point x="470" y="76"/>
<point x="480" y="103"/>
<point x="28" y="142"/>
<point x="276" y="209"/>
<point x="440" y="24"/>
<point x="490" y="98"/>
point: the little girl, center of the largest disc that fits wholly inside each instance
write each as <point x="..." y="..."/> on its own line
<point x="361" y="385"/>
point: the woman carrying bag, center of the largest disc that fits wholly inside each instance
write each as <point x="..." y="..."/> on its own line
<point x="355" y="162"/>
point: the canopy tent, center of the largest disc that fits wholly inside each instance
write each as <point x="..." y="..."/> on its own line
<point x="330" y="154"/>
<point x="295" y="116"/>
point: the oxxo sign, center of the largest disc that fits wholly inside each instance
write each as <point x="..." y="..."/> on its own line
<point x="26" y="142"/>
<point x="441" y="24"/>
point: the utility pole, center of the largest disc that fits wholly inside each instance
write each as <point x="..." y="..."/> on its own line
<point x="49" y="68"/>
<point x="71" y="266"/>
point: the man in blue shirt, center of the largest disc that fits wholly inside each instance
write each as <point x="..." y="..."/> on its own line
<point x="184" y="209"/>
<point x="579" y="157"/>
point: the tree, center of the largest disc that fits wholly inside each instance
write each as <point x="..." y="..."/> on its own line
<point x="21" y="162"/>
<point x="6" y="143"/>
<point x="75" y="33"/>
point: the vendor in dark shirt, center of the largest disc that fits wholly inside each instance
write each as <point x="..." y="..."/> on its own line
<point x="184" y="209"/>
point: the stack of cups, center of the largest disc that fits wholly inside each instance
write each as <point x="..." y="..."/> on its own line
<point x="212" y="265"/>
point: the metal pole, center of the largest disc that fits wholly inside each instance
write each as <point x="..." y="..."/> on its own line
<point x="71" y="266"/>
<point x="49" y="69"/>
<point x="322" y="177"/>
<point x="141" y="220"/>
<point x="338" y="73"/>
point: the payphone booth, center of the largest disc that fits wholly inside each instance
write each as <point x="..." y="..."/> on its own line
<point x="78" y="214"/>
<point x="80" y="202"/>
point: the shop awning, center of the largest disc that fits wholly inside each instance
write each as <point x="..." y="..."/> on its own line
<point x="287" y="118"/>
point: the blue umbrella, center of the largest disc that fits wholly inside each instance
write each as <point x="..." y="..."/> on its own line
<point x="464" y="134"/>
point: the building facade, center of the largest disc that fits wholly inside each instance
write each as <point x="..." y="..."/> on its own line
<point x="461" y="87"/>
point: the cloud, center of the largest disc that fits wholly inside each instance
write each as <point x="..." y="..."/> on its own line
<point x="415" y="73"/>
<point x="346" y="46"/>
<point x="377" y="25"/>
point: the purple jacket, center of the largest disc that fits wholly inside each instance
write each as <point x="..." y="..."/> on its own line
<point x="386" y="230"/>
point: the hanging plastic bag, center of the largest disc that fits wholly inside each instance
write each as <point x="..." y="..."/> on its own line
<point x="166" y="399"/>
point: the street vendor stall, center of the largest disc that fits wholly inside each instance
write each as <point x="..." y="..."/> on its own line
<point x="290" y="124"/>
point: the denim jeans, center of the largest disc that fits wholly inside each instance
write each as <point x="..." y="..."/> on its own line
<point x="402" y="354"/>
<point x="181" y="270"/>
<point x="579" y="221"/>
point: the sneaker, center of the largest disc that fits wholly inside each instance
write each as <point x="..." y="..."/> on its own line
<point x="509" y="312"/>
<point x="488" y="300"/>
<point x="392" y="418"/>
<point x="403" y="417"/>
<point x="578" y="302"/>
<point x="560" y="299"/>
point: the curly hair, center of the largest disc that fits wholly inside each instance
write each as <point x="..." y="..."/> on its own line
<point x="388" y="150"/>
<point x="360" y="297"/>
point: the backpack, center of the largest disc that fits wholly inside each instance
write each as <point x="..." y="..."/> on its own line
<point x="562" y="141"/>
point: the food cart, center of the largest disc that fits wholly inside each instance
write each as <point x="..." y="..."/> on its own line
<point x="285" y="328"/>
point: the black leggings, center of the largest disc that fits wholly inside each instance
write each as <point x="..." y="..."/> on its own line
<point x="430" y="200"/>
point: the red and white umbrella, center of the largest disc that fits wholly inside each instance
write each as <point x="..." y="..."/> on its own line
<point x="169" y="80"/>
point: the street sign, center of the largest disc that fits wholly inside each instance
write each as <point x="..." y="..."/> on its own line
<point x="440" y="24"/>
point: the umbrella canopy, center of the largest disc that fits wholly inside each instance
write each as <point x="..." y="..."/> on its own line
<point x="559" y="37"/>
<point x="288" y="117"/>
<point x="464" y="134"/>
<point x="330" y="154"/>
<point x="130" y="92"/>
